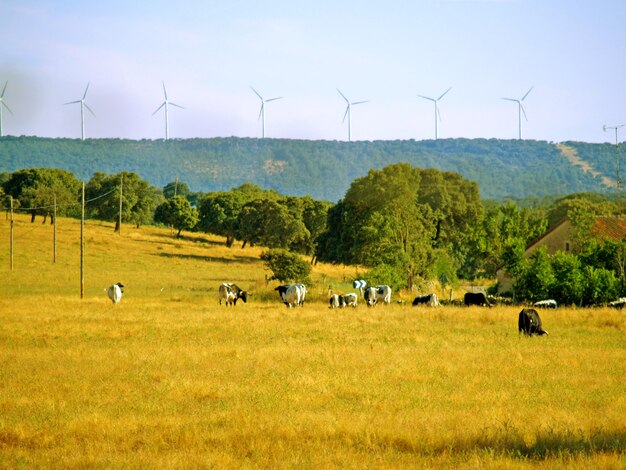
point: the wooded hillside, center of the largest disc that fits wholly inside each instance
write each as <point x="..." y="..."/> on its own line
<point x="321" y="169"/>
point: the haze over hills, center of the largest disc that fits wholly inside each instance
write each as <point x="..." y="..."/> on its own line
<point x="324" y="169"/>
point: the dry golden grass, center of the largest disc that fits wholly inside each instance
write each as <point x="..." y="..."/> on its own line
<point x="169" y="379"/>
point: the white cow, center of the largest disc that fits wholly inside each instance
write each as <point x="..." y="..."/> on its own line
<point x="115" y="292"/>
<point x="292" y="294"/>
<point x="335" y="301"/>
<point x="230" y="293"/>
<point x="373" y="295"/>
<point x="548" y="303"/>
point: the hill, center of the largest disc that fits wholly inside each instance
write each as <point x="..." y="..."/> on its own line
<point x="321" y="169"/>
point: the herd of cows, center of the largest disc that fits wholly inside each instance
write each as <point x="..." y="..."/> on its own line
<point x="292" y="295"/>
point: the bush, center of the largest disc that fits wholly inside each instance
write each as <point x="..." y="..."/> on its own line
<point x="286" y="266"/>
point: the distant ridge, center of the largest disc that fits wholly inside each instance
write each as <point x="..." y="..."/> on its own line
<point x="321" y="169"/>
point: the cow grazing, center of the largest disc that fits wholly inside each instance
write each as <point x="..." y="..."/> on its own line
<point x="430" y="299"/>
<point x="529" y="322"/>
<point x="350" y="300"/>
<point x="230" y="293"/>
<point x="373" y="295"/>
<point x="292" y="294"/>
<point x="115" y="292"/>
<point x="619" y="303"/>
<point x="548" y="303"/>
<point x="336" y="301"/>
<point x="476" y="298"/>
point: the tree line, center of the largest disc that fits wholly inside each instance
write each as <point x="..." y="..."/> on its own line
<point x="404" y="225"/>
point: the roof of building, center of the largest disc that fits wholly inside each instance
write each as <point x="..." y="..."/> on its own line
<point x="613" y="228"/>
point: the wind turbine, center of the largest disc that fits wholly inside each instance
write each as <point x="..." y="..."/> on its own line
<point x="166" y="105"/>
<point x="349" y="112"/>
<point x="3" y="104"/>
<point x="520" y="109"/>
<point x="436" y="101"/>
<point x="83" y="105"/>
<point x="262" y="111"/>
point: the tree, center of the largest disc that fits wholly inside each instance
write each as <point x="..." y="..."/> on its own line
<point x="219" y="211"/>
<point x="38" y="188"/>
<point x="286" y="266"/>
<point x="178" y="213"/>
<point x="139" y="198"/>
<point x="269" y="223"/>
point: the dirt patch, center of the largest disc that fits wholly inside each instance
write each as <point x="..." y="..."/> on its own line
<point x="572" y="156"/>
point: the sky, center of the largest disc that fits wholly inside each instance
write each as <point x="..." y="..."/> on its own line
<point x="210" y="53"/>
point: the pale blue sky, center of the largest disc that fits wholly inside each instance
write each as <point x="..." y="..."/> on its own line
<point x="210" y="53"/>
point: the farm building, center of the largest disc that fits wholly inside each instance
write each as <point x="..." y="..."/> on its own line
<point x="559" y="238"/>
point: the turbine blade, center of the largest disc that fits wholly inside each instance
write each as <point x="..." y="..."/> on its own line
<point x="257" y="93"/>
<point x="523" y="111"/>
<point x="444" y="93"/>
<point x="426" y="97"/>
<point x="157" y="110"/>
<point x="531" y="88"/>
<point x="164" y="91"/>
<point x="360" y="102"/>
<point x="274" y="99"/>
<point x="177" y="105"/>
<point x="343" y="96"/>
<point x="86" y="106"/>
<point x="4" y="89"/>
<point x="261" y="111"/>
<point x="86" y="88"/>
<point x="72" y="102"/>
<point x="6" y="106"/>
<point x="511" y="99"/>
<point x="346" y="113"/>
<point x="438" y="113"/>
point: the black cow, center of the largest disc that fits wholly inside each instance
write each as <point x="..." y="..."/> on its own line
<point x="529" y="322"/>
<point x="428" y="299"/>
<point x="476" y="298"/>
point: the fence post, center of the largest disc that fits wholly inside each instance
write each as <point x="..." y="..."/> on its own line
<point x="11" y="234"/>
<point x="121" y="187"/>
<point x="82" y="246"/>
<point x="54" y="256"/>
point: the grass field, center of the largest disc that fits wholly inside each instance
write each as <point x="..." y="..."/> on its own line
<point x="169" y="379"/>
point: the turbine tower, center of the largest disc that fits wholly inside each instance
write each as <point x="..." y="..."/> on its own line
<point x="3" y="105"/>
<point x="618" y="181"/>
<point x="262" y="111"/>
<point x="436" y="102"/>
<point x="166" y="105"/>
<point x="520" y="109"/>
<point x="83" y="105"/>
<point x="349" y="112"/>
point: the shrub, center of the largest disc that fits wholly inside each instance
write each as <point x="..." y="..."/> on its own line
<point x="286" y="266"/>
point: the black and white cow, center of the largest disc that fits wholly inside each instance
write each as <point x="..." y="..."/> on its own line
<point x="349" y="300"/>
<point x="292" y="294"/>
<point x="429" y="299"/>
<point x="529" y="322"/>
<point x="115" y="292"/>
<point x="373" y="295"/>
<point x="336" y="301"/>
<point x="548" y="303"/>
<point x="230" y="293"/>
<point x="476" y="298"/>
<point x="619" y="303"/>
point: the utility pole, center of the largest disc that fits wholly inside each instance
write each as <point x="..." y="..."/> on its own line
<point x="618" y="181"/>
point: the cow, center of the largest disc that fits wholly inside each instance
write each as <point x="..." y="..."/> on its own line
<point x="230" y="293"/>
<point x="529" y="322"/>
<point x="374" y="294"/>
<point x="336" y="301"/>
<point x="370" y="296"/>
<point x="349" y="300"/>
<point x="548" y="303"/>
<point x="476" y="298"/>
<point x="619" y="303"/>
<point x="429" y="299"/>
<point x="292" y="294"/>
<point x="115" y="292"/>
